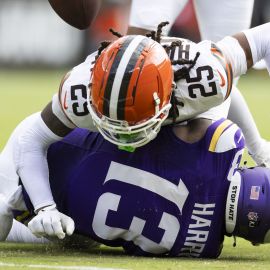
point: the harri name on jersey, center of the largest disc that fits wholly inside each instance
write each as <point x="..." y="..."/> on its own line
<point x="198" y="230"/>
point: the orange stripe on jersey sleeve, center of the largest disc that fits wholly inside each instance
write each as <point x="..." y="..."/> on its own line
<point x="63" y="104"/>
<point x="230" y="79"/>
<point x="227" y="68"/>
<point x="61" y="86"/>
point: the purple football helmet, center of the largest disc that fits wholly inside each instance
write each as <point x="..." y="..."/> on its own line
<point x="248" y="205"/>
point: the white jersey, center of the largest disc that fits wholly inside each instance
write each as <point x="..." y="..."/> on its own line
<point x="207" y="84"/>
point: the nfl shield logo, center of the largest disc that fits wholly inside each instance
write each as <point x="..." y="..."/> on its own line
<point x="253" y="219"/>
<point x="253" y="216"/>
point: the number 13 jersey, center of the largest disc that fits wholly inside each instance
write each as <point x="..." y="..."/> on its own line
<point x="167" y="197"/>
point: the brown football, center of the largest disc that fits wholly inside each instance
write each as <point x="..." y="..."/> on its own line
<point x="78" y="13"/>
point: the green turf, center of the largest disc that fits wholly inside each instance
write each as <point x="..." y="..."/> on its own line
<point x="25" y="92"/>
<point x="243" y="256"/>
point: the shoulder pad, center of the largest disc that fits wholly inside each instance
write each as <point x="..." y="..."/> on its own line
<point x="206" y="83"/>
<point x="74" y="95"/>
<point x="227" y="136"/>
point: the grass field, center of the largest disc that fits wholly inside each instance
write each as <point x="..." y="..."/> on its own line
<point x="25" y="92"/>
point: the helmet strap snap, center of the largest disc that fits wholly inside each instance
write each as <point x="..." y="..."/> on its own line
<point x="157" y="102"/>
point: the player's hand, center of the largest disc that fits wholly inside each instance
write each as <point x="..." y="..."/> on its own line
<point x="50" y="222"/>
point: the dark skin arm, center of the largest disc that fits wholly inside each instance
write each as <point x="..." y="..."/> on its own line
<point x="51" y="120"/>
<point x="245" y="45"/>
<point x="53" y="123"/>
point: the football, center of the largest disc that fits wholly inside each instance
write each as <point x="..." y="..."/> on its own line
<point x="77" y="13"/>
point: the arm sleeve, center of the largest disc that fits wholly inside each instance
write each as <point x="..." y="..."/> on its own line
<point x="30" y="157"/>
<point x="259" y="42"/>
<point x="148" y="14"/>
<point x="35" y="134"/>
<point x="235" y="55"/>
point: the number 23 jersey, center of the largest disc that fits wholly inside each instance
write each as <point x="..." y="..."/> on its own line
<point x="207" y="84"/>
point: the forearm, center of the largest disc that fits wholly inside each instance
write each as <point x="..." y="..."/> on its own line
<point x="247" y="48"/>
<point x="259" y="42"/>
<point x="234" y="54"/>
<point x="31" y="162"/>
<point x="30" y="158"/>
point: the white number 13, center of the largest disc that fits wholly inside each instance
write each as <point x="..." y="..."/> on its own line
<point x="109" y="201"/>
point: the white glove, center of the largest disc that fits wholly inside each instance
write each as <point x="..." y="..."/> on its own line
<point x="50" y="222"/>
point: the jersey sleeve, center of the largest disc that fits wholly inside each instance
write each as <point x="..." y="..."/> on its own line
<point x="227" y="136"/>
<point x="234" y="54"/>
<point x="205" y="80"/>
<point x="258" y="39"/>
<point x="71" y="103"/>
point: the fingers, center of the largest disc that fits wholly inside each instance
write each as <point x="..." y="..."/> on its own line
<point x="52" y="224"/>
<point x="36" y="227"/>
<point x="52" y="227"/>
<point x="47" y="226"/>
<point x="67" y="224"/>
<point x="58" y="230"/>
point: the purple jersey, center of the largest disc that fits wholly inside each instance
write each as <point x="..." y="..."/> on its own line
<point x="167" y="197"/>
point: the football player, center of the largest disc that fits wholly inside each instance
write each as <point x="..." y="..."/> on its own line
<point x="160" y="199"/>
<point x="236" y="16"/>
<point x="114" y="90"/>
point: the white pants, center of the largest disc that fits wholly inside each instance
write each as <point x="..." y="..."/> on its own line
<point x="216" y="19"/>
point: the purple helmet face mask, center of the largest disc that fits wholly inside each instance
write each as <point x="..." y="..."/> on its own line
<point x="253" y="210"/>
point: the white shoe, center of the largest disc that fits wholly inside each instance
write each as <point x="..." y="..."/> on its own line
<point x="6" y="218"/>
<point x="262" y="157"/>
